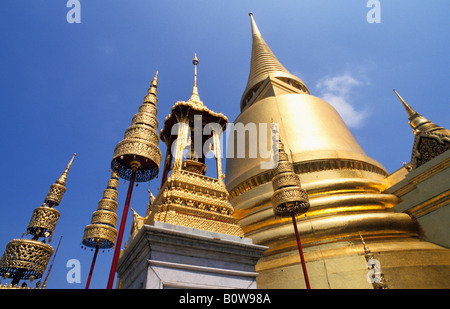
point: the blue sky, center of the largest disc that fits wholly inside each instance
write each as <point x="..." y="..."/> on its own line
<point x="69" y="88"/>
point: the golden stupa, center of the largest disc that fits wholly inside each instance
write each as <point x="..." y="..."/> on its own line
<point x="346" y="190"/>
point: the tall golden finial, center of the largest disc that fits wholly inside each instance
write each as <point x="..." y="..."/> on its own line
<point x="57" y="190"/>
<point x="255" y="30"/>
<point x="418" y="122"/>
<point x="408" y="108"/>
<point x="195" y="98"/>
<point x="152" y="92"/>
<point x="195" y="62"/>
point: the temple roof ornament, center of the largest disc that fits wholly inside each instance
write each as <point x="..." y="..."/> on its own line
<point x="430" y="140"/>
<point x="183" y="110"/>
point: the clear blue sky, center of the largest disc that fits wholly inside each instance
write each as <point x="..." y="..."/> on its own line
<point x="68" y="88"/>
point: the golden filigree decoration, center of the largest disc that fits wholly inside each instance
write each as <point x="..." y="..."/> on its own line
<point x="102" y="230"/>
<point x="57" y="190"/>
<point x="288" y="197"/>
<point x="25" y="258"/>
<point x="194" y="200"/>
<point x="140" y="142"/>
<point x="43" y="221"/>
<point x="303" y="168"/>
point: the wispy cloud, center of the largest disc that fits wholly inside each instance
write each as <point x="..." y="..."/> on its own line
<point x="337" y="91"/>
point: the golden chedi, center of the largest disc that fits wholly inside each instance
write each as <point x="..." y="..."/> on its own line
<point x="345" y="189"/>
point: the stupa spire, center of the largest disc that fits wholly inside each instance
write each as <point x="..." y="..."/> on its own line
<point x="255" y="30"/>
<point x="264" y="64"/>
<point x="263" y="61"/>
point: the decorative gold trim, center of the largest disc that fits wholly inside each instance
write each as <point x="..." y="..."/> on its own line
<point x="140" y="142"/>
<point x="43" y="221"/>
<point x="102" y="232"/>
<point x="25" y="257"/>
<point x="306" y="167"/>
<point x="194" y="200"/>
<point x="429" y="206"/>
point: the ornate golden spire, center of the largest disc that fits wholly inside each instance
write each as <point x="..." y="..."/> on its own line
<point x="102" y="230"/>
<point x="27" y="259"/>
<point x="57" y="190"/>
<point x="263" y="64"/>
<point x="195" y="98"/>
<point x="263" y="61"/>
<point x="418" y="122"/>
<point x="288" y="197"/>
<point x="139" y="148"/>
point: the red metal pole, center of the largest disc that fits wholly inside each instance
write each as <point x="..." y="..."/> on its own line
<point x="112" y="273"/>
<point x="305" y="273"/>
<point x="92" y="267"/>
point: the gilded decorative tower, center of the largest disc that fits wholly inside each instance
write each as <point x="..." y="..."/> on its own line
<point x="102" y="232"/>
<point x="187" y="196"/>
<point x="27" y="259"/>
<point x="137" y="157"/>
<point x="346" y="190"/>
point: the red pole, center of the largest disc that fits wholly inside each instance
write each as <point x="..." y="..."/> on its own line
<point x="305" y="273"/>
<point x="112" y="273"/>
<point x="92" y="267"/>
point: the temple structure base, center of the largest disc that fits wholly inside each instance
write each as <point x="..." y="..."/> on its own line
<point x="166" y="256"/>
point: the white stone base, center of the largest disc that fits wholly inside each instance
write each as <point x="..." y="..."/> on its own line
<point x="164" y="256"/>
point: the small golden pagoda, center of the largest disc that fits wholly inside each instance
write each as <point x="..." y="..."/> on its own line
<point x="187" y="196"/>
<point x="27" y="259"/>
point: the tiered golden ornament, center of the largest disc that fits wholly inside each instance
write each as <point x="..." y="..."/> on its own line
<point x="27" y="259"/>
